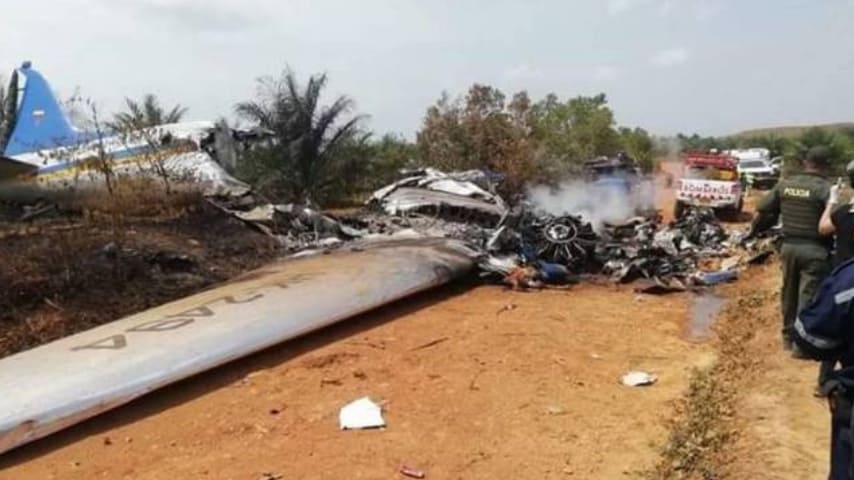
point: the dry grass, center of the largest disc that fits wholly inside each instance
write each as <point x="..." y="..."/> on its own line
<point x="698" y="432"/>
<point x="704" y="424"/>
<point x="138" y="198"/>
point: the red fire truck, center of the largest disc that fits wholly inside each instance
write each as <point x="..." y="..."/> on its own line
<point x="709" y="180"/>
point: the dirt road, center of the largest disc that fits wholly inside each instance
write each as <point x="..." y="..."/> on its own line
<point x="532" y="390"/>
<point x="783" y="430"/>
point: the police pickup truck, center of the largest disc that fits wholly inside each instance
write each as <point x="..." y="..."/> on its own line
<point x="709" y="180"/>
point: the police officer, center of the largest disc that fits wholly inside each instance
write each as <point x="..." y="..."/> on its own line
<point x="825" y="331"/>
<point x="839" y="220"/>
<point x="800" y="200"/>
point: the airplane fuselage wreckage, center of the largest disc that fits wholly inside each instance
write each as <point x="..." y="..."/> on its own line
<point x="44" y="157"/>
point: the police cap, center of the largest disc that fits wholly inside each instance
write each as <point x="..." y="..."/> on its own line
<point x="819" y="155"/>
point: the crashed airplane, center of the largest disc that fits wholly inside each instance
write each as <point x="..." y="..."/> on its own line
<point x="45" y="157"/>
<point x="417" y="233"/>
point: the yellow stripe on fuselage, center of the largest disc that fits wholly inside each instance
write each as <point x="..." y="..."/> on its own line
<point x="91" y="166"/>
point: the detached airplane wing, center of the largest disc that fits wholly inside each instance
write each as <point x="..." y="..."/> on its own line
<point x="65" y="382"/>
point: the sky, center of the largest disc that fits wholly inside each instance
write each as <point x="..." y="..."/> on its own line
<point x="707" y="66"/>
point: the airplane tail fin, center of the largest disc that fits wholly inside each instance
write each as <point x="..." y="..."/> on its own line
<point x="37" y="120"/>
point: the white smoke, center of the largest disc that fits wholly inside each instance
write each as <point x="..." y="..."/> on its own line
<point x="596" y="204"/>
<point x="673" y="148"/>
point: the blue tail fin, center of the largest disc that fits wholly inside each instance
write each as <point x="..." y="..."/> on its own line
<point x="38" y="122"/>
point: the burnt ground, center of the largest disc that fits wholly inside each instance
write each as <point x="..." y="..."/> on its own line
<point x="75" y="271"/>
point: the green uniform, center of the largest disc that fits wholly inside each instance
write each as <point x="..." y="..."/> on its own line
<point x="800" y="200"/>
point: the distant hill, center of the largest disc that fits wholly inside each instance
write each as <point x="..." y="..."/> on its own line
<point x="793" y="131"/>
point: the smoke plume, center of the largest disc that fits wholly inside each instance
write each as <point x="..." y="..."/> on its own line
<point x="595" y="203"/>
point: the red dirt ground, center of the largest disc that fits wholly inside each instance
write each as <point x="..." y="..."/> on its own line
<point x="531" y="392"/>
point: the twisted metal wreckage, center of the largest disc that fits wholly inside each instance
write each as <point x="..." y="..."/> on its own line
<point x="522" y="245"/>
<point x="420" y="232"/>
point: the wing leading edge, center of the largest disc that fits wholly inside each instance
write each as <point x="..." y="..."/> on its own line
<point x="75" y="378"/>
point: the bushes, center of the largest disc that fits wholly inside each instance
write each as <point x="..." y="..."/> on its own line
<point x="528" y="142"/>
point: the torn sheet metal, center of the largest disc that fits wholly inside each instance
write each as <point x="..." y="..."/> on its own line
<point x="523" y="238"/>
<point x="67" y="381"/>
<point x="666" y="254"/>
<point x="260" y="214"/>
<point x="407" y="199"/>
<point x="472" y="183"/>
<point x="433" y="188"/>
<point x="659" y="286"/>
<point x="700" y="227"/>
<point x="299" y="227"/>
<point x="716" y="278"/>
<point x="200" y="168"/>
<point x="522" y="246"/>
<point x="500" y="264"/>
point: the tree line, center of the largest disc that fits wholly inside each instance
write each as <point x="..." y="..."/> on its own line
<point x="323" y="151"/>
<point x="840" y="142"/>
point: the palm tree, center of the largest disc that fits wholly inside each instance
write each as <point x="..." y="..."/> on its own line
<point x="144" y="114"/>
<point x="8" y="105"/>
<point x="2" y="114"/>
<point x="304" y="157"/>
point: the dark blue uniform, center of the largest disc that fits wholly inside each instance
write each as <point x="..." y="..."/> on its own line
<point x="825" y="331"/>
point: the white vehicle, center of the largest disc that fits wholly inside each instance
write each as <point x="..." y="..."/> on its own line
<point x="750" y="154"/>
<point x="709" y="180"/>
<point x="759" y="173"/>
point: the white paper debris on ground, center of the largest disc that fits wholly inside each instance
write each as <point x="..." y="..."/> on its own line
<point x="360" y="414"/>
<point x="639" y="379"/>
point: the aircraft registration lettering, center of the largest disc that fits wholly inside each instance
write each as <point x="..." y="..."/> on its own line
<point x="113" y="342"/>
<point x="203" y="311"/>
<point x="162" y="325"/>
<point x="230" y="300"/>
<point x="187" y="317"/>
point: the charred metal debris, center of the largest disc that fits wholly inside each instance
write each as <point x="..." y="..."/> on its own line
<point x="521" y="246"/>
